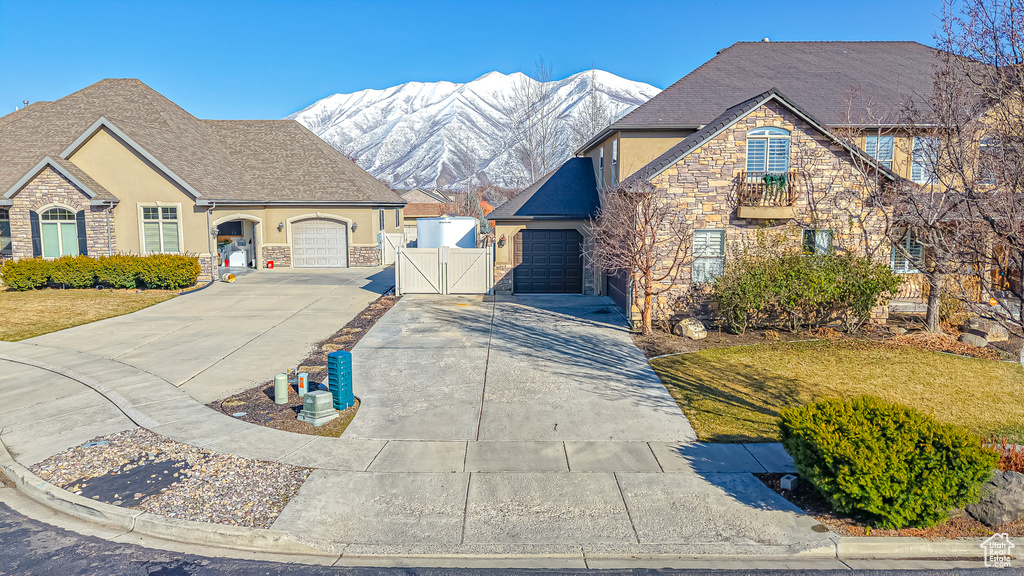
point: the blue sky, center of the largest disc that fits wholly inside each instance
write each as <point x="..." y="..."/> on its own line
<point x="264" y="59"/>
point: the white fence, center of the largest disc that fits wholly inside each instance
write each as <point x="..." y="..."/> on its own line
<point x="444" y="270"/>
<point x="390" y="244"/>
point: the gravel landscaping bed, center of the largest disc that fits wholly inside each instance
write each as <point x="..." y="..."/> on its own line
<point x="810" y="501"/>
<point x="256" y="405"/>
<point x="145" y="471"/>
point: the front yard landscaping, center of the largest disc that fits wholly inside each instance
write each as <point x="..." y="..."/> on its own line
<point x="735" y="394"/>
<point x="37" y="312"/>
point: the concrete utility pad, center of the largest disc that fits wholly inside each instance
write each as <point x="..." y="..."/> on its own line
<point x="229" y="337"/>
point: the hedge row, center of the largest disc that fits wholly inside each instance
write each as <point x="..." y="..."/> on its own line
<point x="885" y="464"/>
<point x="158" y="271"/>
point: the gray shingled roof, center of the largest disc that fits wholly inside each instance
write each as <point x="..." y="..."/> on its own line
<point x="236" y="160"/>
<point x="823" y="76"/>
<point x="726" y="119"/>
<point x="567" y="193"/>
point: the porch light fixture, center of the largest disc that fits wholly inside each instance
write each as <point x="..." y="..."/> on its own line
<point x="354" y="226"/>
<point x="280" y="226"/>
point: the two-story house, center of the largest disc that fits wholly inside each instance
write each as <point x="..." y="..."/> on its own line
<point x="752" y="138"/>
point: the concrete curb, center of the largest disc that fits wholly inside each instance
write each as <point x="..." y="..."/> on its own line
<point x="892" y="547"/>
<point x="134" y="521"/>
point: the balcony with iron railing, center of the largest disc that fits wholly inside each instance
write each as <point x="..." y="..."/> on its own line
<point x="767" y="195"/>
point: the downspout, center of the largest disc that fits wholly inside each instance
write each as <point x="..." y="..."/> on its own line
<point x="110" y="243"/>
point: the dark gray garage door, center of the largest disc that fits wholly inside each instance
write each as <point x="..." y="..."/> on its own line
<point x="548" y="262"/>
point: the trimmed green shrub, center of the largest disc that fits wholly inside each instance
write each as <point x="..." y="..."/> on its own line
<point x="770" y="284"/>
<point x="73" y="272"/>
<point x="168" y="271"/>
<point x="118" y="271"/>
<point x="26" y="274"/>
<point x="882" y="463"/>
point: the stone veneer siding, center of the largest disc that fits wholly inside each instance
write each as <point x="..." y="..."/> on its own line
<point x="50" y="188"/>
<point x="502" y="278"/>
<point x="363" y="256"/>
<point x="281" y="255"/>
<point x="703" y="186"/>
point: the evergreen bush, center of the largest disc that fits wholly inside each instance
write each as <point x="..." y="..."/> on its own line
<point x="885" y="464"/>
<point x="26" y="274"/>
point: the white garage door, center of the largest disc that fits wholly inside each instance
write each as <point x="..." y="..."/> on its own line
<point x="319" y="244"/>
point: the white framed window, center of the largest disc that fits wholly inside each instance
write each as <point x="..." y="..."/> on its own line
<point x="768" y="150"/>
<point x="708" y="255"/>
<point x="817" y="241"/>
<point x="925" y="159"/>
<point x="58" y="232"/>
<point x="161" y="229"/>
<point x="381" y="219"/>
<point x="880" y="148"/>
<point x="615" y="161"/>
<point x="600" y="168"/>
<point x="5" y="231"/>
<point x="905" y="254"/>
<point x="398" y="218"/>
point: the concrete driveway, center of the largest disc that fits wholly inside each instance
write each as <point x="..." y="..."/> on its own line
<point x="229" y="337"/>
<point x="523" y="368"/>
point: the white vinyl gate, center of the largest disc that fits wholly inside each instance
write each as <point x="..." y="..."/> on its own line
<point x="390" y="244"/>
<point x="444" y="270"/>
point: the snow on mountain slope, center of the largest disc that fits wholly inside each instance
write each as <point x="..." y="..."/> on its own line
<point x="434" y="134"/>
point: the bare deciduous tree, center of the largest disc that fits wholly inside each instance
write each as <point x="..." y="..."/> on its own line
<point x="639" y="231"/>
<point x="532" y="120"/>
<point x="593" y="116"/>
<point x="970" y="210"/>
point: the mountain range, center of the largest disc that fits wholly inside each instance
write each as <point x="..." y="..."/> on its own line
<point x="445" y="135"/>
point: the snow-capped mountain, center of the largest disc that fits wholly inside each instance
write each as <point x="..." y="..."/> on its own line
<point x="434" y="134"/>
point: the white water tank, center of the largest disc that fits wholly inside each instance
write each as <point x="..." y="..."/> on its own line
<point x="451" y="231"/>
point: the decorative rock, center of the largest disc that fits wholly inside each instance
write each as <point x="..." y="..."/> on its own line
<point x="992" y="330"/>
<point x="897" y="330"/>
<point x="974" y="339"/>
<point x="1002" y="499"/>
<point x="691" y="328"/>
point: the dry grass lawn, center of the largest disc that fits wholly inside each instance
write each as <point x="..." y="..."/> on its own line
<point x="37" y="312"/>
<point x="734" y="394"/>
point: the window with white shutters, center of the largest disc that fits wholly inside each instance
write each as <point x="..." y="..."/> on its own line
<point x="880" y="148"/>
<point x="906" y="254"/>
<point x="708" y="255"/>
<point x="925" y="157"/>
<point x="768" y="150"/>
<point x="160" y="227"/>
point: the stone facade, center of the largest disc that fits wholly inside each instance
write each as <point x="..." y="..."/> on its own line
<point x="208" y="268"/>
<point x="50" y="189"/>
<point x="363" y="256"/>
<point x="704" y="185"/>
<point x="281" y="255"/>
<point x="502" y="278"/>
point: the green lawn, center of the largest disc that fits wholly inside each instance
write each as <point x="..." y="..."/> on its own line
<point x="27" y="314"/>
<point x="734" y="394"/>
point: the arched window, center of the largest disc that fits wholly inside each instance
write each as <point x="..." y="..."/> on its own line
<point x="59" y="233"/>
<point x="768" y="150"/>
<point x="5" y="232"/>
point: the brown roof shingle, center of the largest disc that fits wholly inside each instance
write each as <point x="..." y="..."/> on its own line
<point x="239" y="160"/>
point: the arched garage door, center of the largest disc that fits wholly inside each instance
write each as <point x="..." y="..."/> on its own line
<point x="319" y="243"/>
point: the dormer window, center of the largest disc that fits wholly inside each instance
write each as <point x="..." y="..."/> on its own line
<point x="768" y="150"/>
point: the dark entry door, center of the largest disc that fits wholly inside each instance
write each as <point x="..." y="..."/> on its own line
<point x="548" y="262"/>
